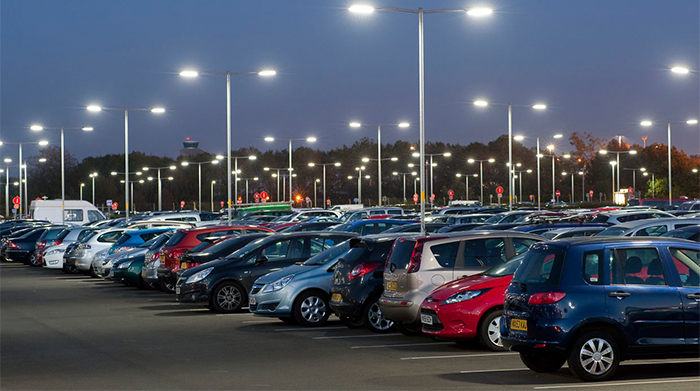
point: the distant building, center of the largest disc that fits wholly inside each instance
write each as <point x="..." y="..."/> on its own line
<point x="190" y="148"/>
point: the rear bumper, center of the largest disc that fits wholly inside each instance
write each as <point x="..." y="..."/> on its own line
<point x="400" y="310"/>
<point x="17" y="255"/>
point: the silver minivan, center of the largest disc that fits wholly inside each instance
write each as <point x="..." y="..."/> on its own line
<point x="419" y="264"/>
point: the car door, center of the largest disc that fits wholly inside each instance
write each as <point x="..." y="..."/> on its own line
<point x="686" y="262"/>
<point x="279" y="254"/>
<point x="640" y="298"/>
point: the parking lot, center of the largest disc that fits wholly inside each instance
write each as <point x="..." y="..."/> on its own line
<point x="75" y="332"/>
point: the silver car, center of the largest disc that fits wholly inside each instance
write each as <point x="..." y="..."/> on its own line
<point x="82" y="256"/>
<point x="298" y="293"/>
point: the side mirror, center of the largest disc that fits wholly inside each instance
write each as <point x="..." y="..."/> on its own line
<point x="260" y="259"/>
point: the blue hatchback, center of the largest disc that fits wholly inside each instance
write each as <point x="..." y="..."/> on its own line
<point x="597" y="301"/>
<point x="135" y="238"/>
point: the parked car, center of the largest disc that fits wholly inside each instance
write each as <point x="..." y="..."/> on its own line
<point x="623" y="216"/>
<point x="357" y="283"/>
<point x="597" y="301"/>
<point x="690" y="233"/>
<point x="127" y="268"/>
<point x="369" y="227"/>
<point x="48" y="238"/>
<point x="220" y="249"/>
<point x="298" y="293"/>
<point x="82" y="255"/>
<point x="541" y="228"/>
<point x="470" y="307"/>
<point x="22" y="248"/>
<point x="419" y="264"/>
<point x="649" y="227"/>
<point x="460" y="227"/>
<point x="507" y="217"/>
<point x="309" y="226"/>
<point x="71" y="268"/>
<point x="151" y="261"/>
<point x="467" y="219"/>
<point x="183" y="240"/>
<point x="415" y="227"/>
<point x="224" y="285"/>
<point x="571" y="232"/>
<point x="52" y="257"/>
<point x="135" y="238"/>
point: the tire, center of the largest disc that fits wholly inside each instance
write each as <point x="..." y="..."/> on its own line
<point x="373" y="319"/>
<point x="33" y="259"/>
<point x="70" y="269"/>
<point x="229" y="297"/>
<point x="594" y="356"/>
<point x="409" y="329"/>
<point x="490" y="331"/>
<point x="352" y="322"/>
<point x="311" y="309"/>
<point x="167" y="287"/>
<point x="542" y="363"/>
<point x="288" y="319"/>
<point x="93" y="273"/>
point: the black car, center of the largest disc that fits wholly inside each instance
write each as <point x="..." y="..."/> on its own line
<point x="21" y="248"/>
<point x="223" y="285"/>
<point x="358" y="282"/>
<point x="415" y="227"/>
<point x="460" y="227"/>
<point x="690" y="233"/>
<point x="218" y="250"/>
<point x="309" y="226"/>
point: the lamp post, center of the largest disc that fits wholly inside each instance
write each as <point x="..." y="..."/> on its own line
<point x="583" y="186"/>
<point x="539" y="155"/>
<point x="246" y="186"/>
<point x="571" y="197"/>
<point x="336" y="164"/>
<point x="211" y="194"/>
<point x="126" y="175"/>
<point x="466" y="183"/>
<point x="228" y="74"/>
<point x="404" y="181"/>
<point x="653" y="183"/>
<point x="519" y="174"/>
<point x="236" y="171"/>
<point x="199" y="170"/>
<point x="379" y="163"/>
<point x="7" y="186"/>
<point x="613" y="163"/>
<point x="536" y="106"/>
<point x="160" y="184"/>
<point x="359" y="182"/>
<point x="22" y="162"/>
<point x="379" y="149"/>
<point x="475" y="12"/>
<point x="93" y="176"/>
<point x="553" y="155"/>
<point x="270" y="139"/>
<point x="81" y="191"/>
<point x="617" y="161"/>
<point x="634" y="175"/>
<point x="315" y="182"/>
<point x="155" y="110"/>
<point x="647" y="123"/>
<point x="276" y="175"/>
<point x="481" y="174"/>
<point x="432" y="164"/>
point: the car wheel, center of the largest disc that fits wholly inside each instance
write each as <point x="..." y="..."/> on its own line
<point x="352" y="322"/>
<point x="374" y="319"/>
<point x="33" y="259"/>
<point x="311" y="309"/>
<point x="93" y="273"/>
<point x="594" y="356"/>
<point x="228" y="297"/>
<point x="167" y="286"/>
<point x="490" y="330"/>
<point x="410" y="329"/>
<point x="542" y="363"/>
<point x="70" y="269"/>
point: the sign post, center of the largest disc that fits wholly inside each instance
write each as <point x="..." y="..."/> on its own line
<point x="499" y="192"/>
<point x="451" y="194"/>
<point x="558" y="193"/>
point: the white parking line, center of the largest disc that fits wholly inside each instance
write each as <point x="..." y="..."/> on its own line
<point x="358" y="336"/>
<point x="310" y="328"/>
<point x="401" y="345"/>
<point x="612" y="384"/>
<point x="458" y="356"/>
<point x="496" y="370"/>
<point x="258" y="321"/>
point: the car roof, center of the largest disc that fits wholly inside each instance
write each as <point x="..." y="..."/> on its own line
<point x="473" y="233"/>
<point x="663" y="220"/>
<point x="576" y="241"/>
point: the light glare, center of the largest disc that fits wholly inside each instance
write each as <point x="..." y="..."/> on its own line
<point x="479" y="11"/>
<point x="680" y="70"/>
<point x="189" y="73"/>
<point x="36" y="127"/>
<point x="158" y="110"/>
<point x="94" y="108"/>
<point x="646" y="123"/>
<point x="361" y="9"/>
<point x="267" y="72"/>
<point x="481" y="103"/>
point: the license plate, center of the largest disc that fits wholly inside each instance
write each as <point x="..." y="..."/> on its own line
<point x="183" y="265"/>
<point x="518" y="324"/>
<point x="426" y="319"/>
<point x="336" y="297"/>
<point x="392" y="285"/>
<point x="252" y="301"/>
<point x="177" y="290"/>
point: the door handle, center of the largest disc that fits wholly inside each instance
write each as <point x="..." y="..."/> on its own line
<point x="695" y="296"/>
<point x="619" y="294"/>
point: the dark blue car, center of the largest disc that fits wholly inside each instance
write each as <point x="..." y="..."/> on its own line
<point x="595" y="302"/>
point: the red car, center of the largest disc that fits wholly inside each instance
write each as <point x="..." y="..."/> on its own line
<point x="470" y="307"/>
<point x="185" y="239"/>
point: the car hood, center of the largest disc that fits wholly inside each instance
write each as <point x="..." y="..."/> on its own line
<point x="294" y="269"/>
<point x="477" y="281"/>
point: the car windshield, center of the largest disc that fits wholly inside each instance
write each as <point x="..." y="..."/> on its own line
<point x="612" y="231"/>
<point x="149" y="243"/>
<point x="495" y="218"/>
<point x="123" y="239"/>
<point x="176" y="238"/>
<point x="507" y="268"/>
<point x="328" y="255"/>
<point x="159" y="241"/>
<point x="682" y="233"/>
<point x="549" y="234"/>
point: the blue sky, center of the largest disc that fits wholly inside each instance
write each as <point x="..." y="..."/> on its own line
<point x="601" y="66"/>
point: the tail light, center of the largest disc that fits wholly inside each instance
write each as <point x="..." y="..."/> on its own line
<point x="41" y="244"/>
<point x="362" y="269"/>
<point x="546" y="297"/>
<point x="417" y="255"/>
<point x="57" y="242"/>
<point x="12" y="245"/>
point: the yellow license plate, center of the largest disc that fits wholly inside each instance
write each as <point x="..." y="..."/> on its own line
<point x="518" y="324"/>
<point x="183" y="265"/>
<point x="336" y="297"/>
<point x="391" y="285"/>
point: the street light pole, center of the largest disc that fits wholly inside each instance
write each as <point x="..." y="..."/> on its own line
<point x="211" y="193"/>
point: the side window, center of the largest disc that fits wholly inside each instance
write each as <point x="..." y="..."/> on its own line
<point x="319" y="244"/>
<point x="687" y="262"/>
<point x="367" y="229"/>
<point x="109" y="237"/>
<point x="94" y="215"/>
<point x="445" y="254"/>
<point x="284" y="249"/>
<point x="592" y="267"/>
<point x="484" y="252"/>
<point x="73" y="215"/>
<point x="678" y="225"/>
<point x="636" y="266"/>
<point x="656" y="230"/>
<point x="520" y="245"/>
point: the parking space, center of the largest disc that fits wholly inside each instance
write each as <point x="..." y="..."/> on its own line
<point x="74" y="332"/>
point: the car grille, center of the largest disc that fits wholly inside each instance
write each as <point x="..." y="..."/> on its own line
<point x="437" y="325"/>
<point x="252" y="307"/>
<point x="268" y="307"/>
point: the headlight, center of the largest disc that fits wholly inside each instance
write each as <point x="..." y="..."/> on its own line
<point x="199" y="275"/>
<point x="54" y="252"/>
<point x="124" y="265"/>
<point x="279" y="284"/>
<point x="462" y="296"/>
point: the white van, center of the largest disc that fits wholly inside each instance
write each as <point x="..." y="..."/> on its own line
<point x="76" y="212"/>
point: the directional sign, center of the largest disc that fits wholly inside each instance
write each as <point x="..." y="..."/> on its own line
<point x="432" y="197"/>
<point x="499" y="190"/>
<point x="532" y="197"/>
<point x="16" y="200"/>
<point x="558" y="193"/>
<point x="109" y="202"/>
<point x="415" y="198"/>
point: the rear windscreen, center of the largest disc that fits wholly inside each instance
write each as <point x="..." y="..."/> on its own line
<point x="176" y="238"/>
<point x="401" y="253"/>
<point x="122" y="239"/>
<point x="540" y="267"/>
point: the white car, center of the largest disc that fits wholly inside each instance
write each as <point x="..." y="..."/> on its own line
<point x="53" y="255"/>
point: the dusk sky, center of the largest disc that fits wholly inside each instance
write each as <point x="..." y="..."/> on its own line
<point x="600" y="65"/>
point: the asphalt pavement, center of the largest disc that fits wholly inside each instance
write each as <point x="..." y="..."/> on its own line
<point x="60" y="332"/>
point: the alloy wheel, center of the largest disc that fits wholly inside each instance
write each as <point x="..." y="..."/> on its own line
<point x="229" y="297"/>
<point x="377" y="319"/>
<point x="596" y="356"/>
<point x="313" y="309"/>
<point x="494" y="332"/>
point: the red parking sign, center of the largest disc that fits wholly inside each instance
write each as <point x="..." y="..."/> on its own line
<point x="558" y="193"/>
<point x="499" y="190"/>
<point x="415" y="198"/>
